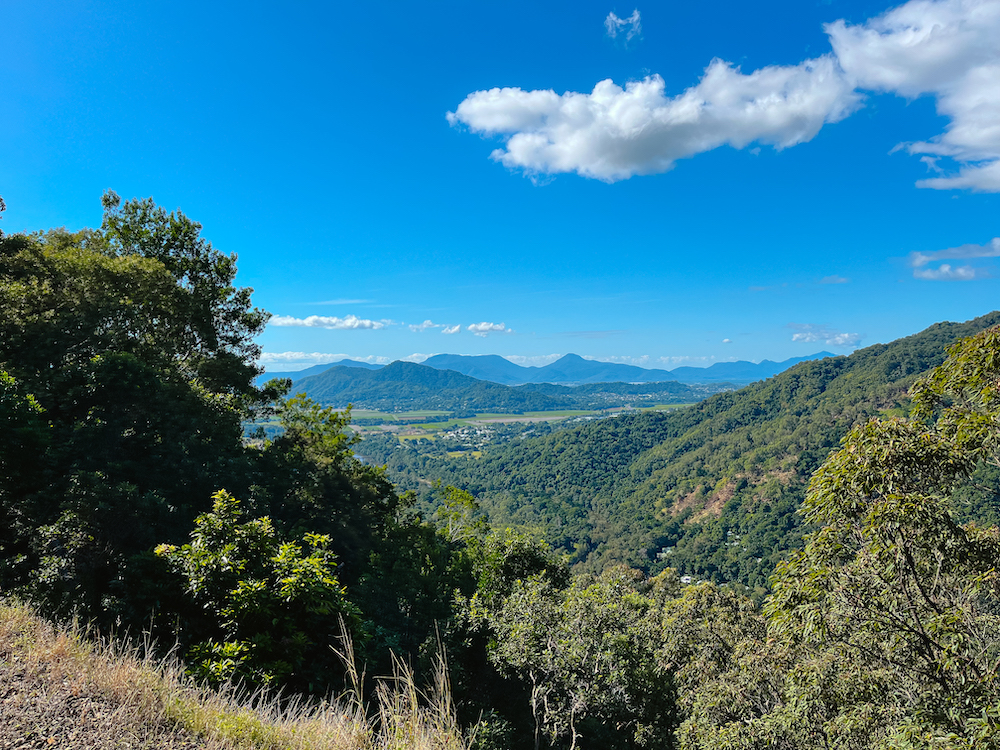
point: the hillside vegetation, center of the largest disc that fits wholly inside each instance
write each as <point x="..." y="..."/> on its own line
<point x="130" y="500"/>
<point x="401" y="386"/>
<point x="717" y="484"/>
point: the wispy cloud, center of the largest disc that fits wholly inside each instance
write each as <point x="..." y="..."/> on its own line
<point x="948" y="49"/>
<point x="945" y="272"/>
<point x="834" y="280"/>
<point x="485" y="329"/>
<point x="420" y="327"/>
<point x="431" y="325"/>
<point x="348" y="322"/>
<point x="631" y="27"/>
<point x="810" y="333"/>
<point x="921" y="262"/>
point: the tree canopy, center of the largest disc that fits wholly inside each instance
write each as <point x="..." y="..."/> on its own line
<point x="130" y="496"/>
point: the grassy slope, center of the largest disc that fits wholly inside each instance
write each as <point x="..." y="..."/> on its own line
<point x="58" y="690"/>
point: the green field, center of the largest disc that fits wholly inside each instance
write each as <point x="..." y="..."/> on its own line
<point x="406" y="429"/>
<point x="396" y="416"/>
<point x="537" y="414"/>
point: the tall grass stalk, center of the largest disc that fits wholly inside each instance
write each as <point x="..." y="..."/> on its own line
<point x="154" y="695"/>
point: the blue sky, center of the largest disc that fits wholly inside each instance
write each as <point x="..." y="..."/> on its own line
<point x="753" y="180"/>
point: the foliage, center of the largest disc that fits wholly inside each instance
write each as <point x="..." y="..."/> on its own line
<point x="126" y="380"/>
<point x="140" y="351"/>
<point x="588" y="654"/>
<point x="215" y="339"/>
<point x="714" y="486"/>
<point x="508" y="557"/>
<point x="22" y="427"/>
<point x="885" y="626"/>
<point x="267" y="610"/>
<point x="405" y="385"/>
<point x="307" y="479"/>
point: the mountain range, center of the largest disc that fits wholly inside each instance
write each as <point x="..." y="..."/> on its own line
<point x="711" y="490"/>
<point x="572" y="369"/>
<point x="405" y="386"/>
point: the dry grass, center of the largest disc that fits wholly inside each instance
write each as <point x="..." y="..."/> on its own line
<point x="60" y="689"/>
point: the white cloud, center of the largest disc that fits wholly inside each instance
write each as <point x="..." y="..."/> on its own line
<point x="420" y="327"/>
<point x="428" y="324"/>
<point x="946" y="272"/>
<point x="348" y="322"/>
<point x="948" y="49"/>
<point x="615" y="25"/>
<point x="312" y="358"/>
<point x="418" y="358"/>
<point x="614" y="133"/>
<point x="932" y="163"/>
<point x="727" y="341"/>
<point x="485" y="329"/>
<point x="809" y="333"/>
<point x="834" y="280"/>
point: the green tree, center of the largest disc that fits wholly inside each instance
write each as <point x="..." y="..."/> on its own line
<point x="140" y="351"/>
<point x="308" y="479"/>
<point x="215" y="341"/>
<point x="883" y="631"/>
<point x="267" y="609"/>
<point x="23" y="438"/>
<point x="588" y="653"/>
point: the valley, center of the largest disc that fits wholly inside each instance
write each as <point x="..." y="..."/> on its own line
<point x="526" y="376"/>
<point x="627" y="550"/>
<point x="711" y="490"/>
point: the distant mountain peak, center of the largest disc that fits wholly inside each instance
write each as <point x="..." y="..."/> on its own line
<point x="573" y="369"/>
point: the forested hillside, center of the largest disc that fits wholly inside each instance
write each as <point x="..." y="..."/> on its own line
<point x="128" y="496"/>
<point x="130" y="501"/>
<point x="406" y="385"/>
<point x="713" y="488"/>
